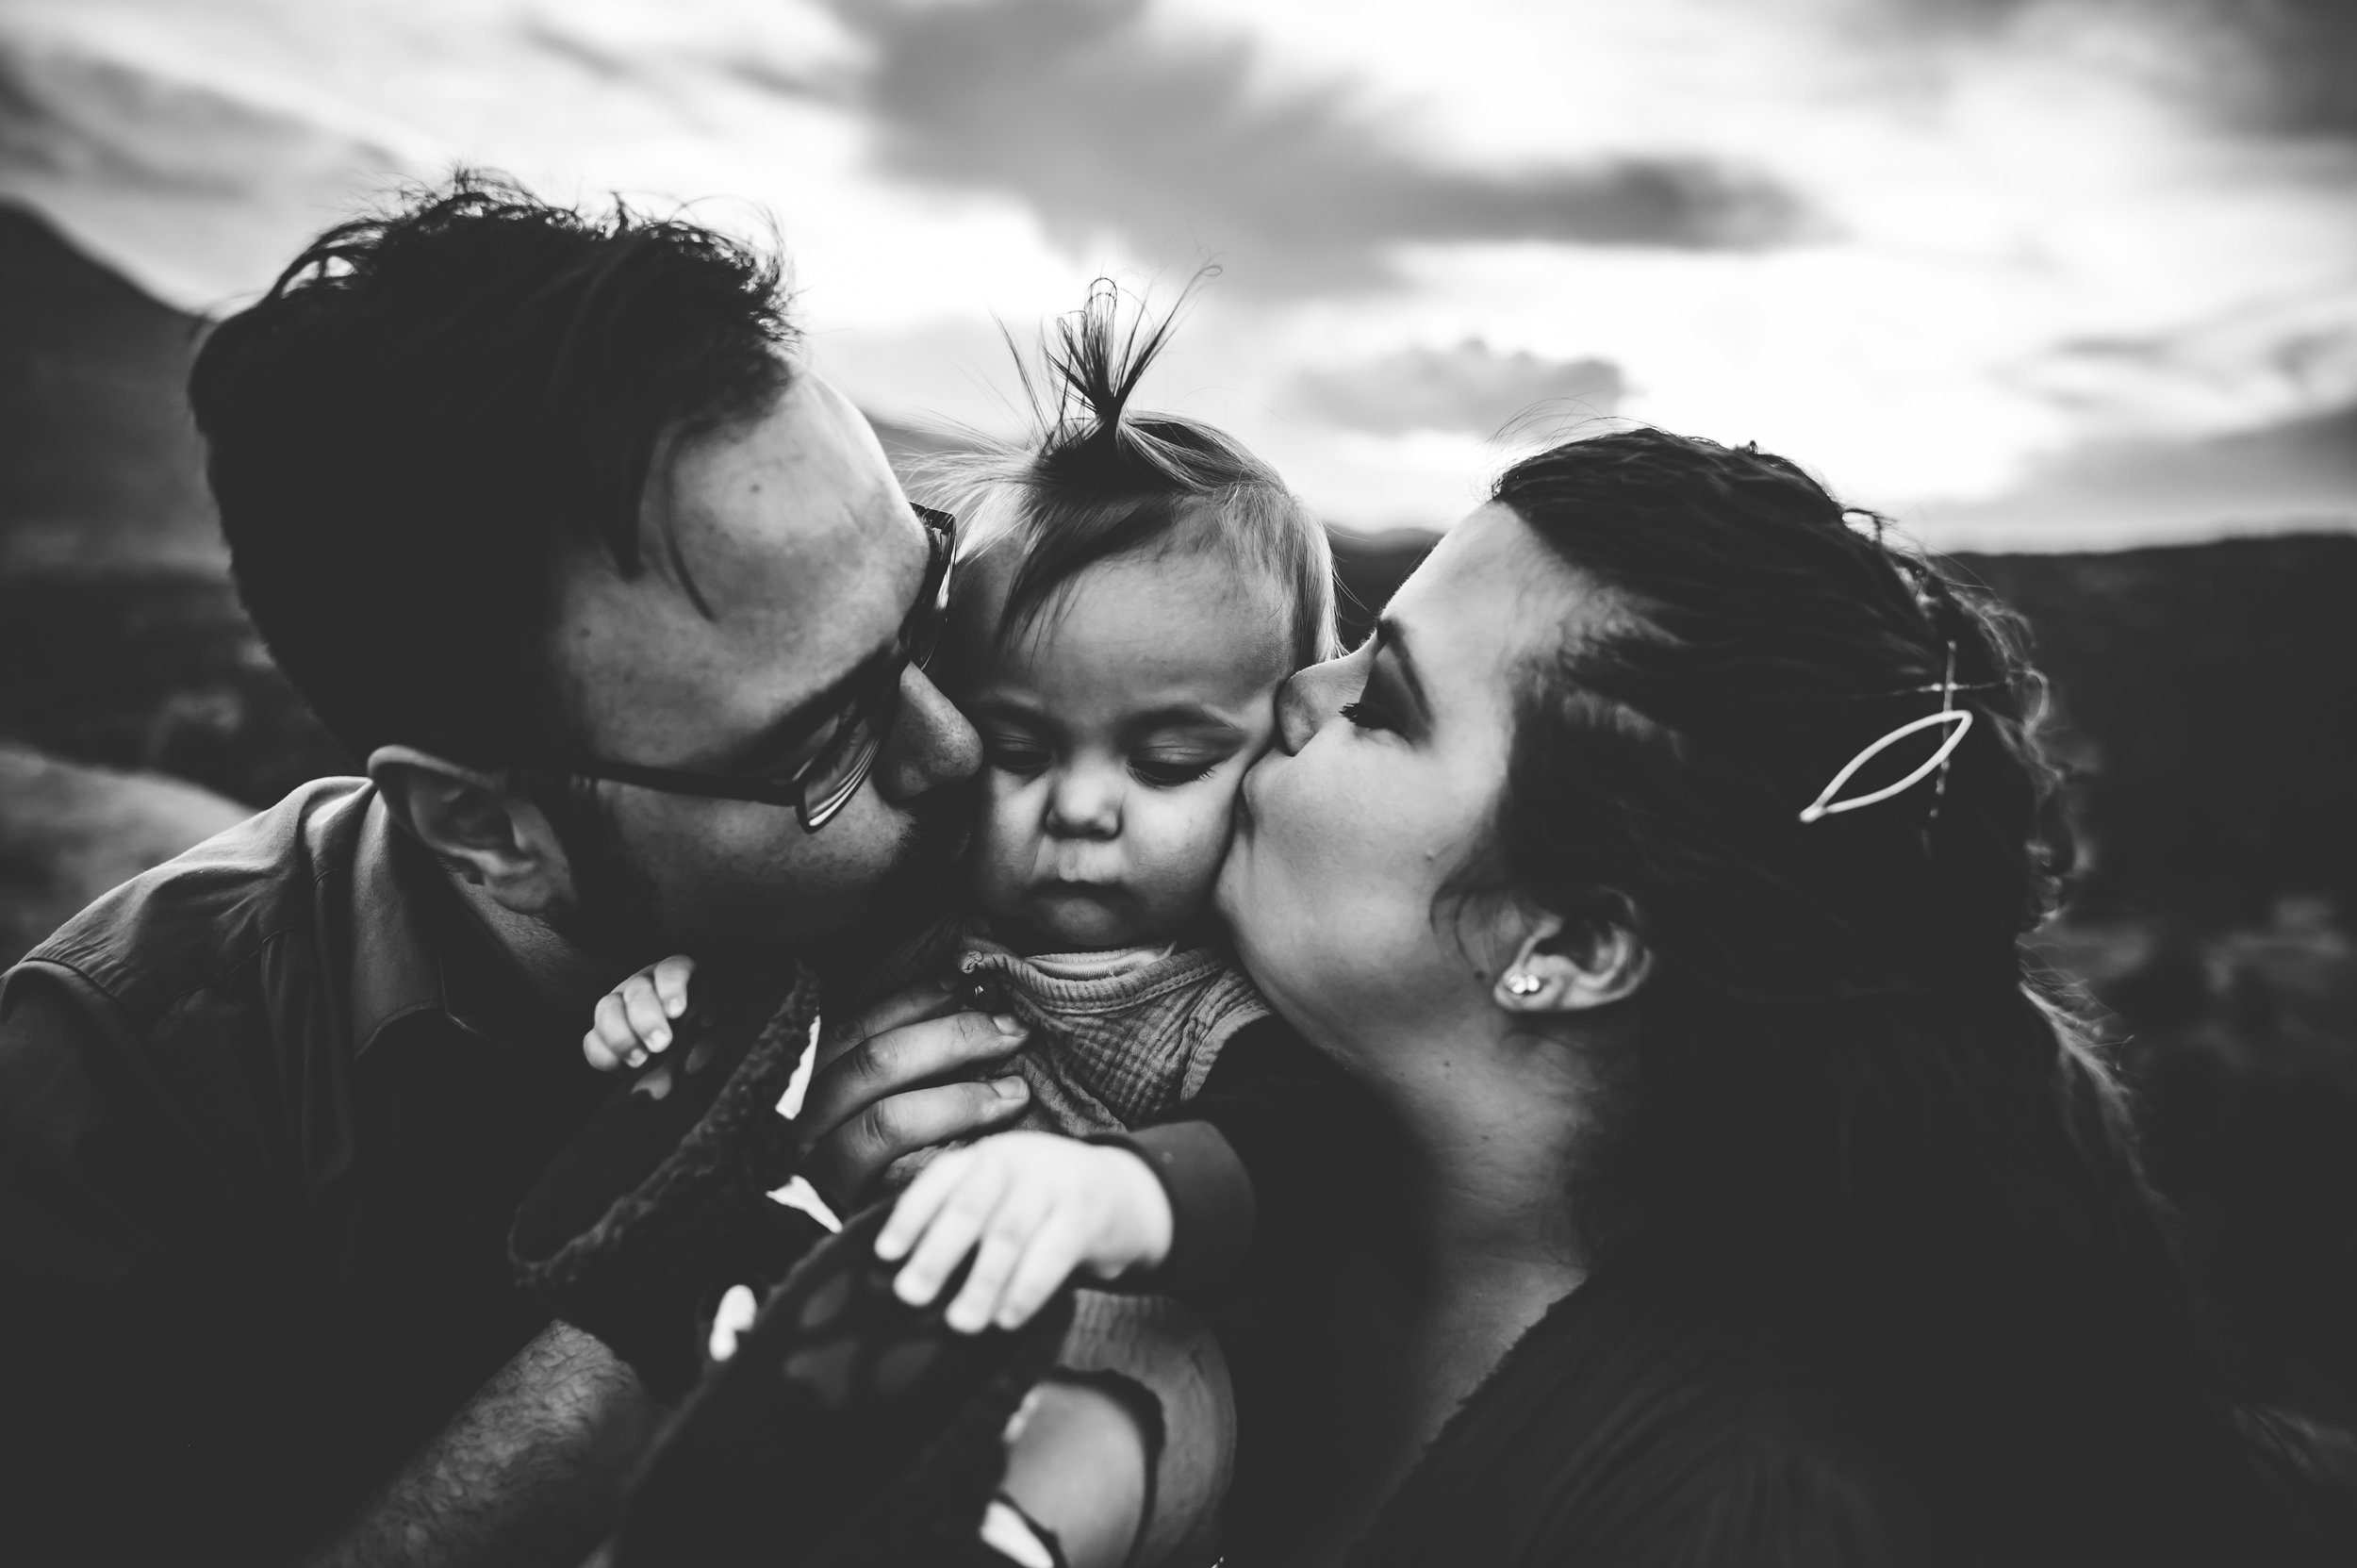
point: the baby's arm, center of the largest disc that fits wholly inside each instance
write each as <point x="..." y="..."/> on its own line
<point x="1033" y="1209"/>
<point x="634" y="1020"/>
<point x="1279" y="1150"/>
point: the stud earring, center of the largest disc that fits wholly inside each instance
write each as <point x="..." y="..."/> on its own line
<point x="1522" y="983"/>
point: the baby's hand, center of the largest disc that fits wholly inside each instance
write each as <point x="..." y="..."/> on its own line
<point x="1040" y="1207"/>
<point x="634" y="1020"/>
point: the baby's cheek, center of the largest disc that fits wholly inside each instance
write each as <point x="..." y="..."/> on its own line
<point x="1177" y="841"/>
<point x="1006" y="851"/>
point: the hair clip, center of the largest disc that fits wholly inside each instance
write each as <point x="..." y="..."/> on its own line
<point x="1949" y="713"/>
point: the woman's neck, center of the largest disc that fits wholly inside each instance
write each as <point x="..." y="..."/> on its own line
<point x="1496" y="1145"/>
<point x="1495" y="1247"/>
<point x="1482" y="1244"/>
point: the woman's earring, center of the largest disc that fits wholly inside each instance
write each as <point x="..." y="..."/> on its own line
<point x="1522" y="983"/>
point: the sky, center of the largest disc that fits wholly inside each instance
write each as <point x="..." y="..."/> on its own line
<point x="2025" y="273"/>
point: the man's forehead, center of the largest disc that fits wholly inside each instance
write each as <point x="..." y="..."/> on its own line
<point x="767" y="510"/>
<point x="779" y="552"/>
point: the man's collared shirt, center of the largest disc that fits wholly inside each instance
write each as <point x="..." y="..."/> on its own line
<point x="265" y="1114"/>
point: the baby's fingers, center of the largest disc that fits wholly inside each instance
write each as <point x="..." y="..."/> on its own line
<point x="670" y="983"/>
<point x="1052" y="1258"/>
<point x="921" y="1203"/>
<point x="598" y="1054"/>
<point x="951" y="1233"/>
<point x="610" y="1027"/>
<point x="1018" y="1218"/>
<point x="644" y="1010"/>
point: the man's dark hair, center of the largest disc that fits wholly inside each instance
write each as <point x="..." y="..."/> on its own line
<point x="429" y="406"/>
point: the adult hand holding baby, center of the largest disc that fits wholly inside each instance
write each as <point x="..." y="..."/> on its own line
<point x="908" y="1074"/>
<point x="911" y="1072"/>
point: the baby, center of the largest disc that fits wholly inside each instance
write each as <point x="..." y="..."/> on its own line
<point x="1131" y="590"/>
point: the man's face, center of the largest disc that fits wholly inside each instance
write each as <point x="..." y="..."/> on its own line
<point x="795" y="533"/>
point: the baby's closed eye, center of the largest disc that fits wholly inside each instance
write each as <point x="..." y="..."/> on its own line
<point x="1167" y="768"/>
<point x="1015" y="754"/>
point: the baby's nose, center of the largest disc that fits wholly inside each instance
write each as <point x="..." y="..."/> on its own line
<point x="1084" y="805"/>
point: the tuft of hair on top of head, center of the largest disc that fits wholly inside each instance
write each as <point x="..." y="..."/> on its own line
<point x="431" y="404"/>
<point x="1096" y="478"/>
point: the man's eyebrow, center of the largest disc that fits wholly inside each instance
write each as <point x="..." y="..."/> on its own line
<point x="798" y="724"/>
<point x="1393" y="638"/>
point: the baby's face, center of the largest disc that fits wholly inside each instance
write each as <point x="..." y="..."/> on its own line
<point x="1116" y="729"/>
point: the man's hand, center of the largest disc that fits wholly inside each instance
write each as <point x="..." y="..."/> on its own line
<point x="906" y="1083"/>
<point x="1032" y="1208"/>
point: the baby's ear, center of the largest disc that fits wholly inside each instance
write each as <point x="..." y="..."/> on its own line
<point x="1575" y="966"/>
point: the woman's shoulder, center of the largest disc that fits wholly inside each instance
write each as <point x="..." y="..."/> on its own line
<point x="1635" y="1426"/>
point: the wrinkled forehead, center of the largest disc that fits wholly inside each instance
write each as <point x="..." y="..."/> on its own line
<point x="779" y="552"/>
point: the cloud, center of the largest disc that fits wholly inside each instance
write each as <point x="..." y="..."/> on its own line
<point x="1101" y="121"/>
<point x="2283" y="66"/>
<point x="179" y="181"/>
<point x="1471" y="389"/>
<point x="2296" y="474"/>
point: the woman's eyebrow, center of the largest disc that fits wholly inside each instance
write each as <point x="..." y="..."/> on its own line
<point x="1391" y="638"/>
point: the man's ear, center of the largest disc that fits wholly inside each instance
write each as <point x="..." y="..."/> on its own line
<point x="474" y="824"/>
<point x="1564" y="966"/>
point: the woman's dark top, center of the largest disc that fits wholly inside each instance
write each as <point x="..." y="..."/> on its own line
<point x="1627" y="1427"/>
<point x="1632" y="1424"/>
<point x="1643" y="1421"/>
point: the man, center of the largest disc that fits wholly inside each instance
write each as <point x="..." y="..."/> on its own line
<point x="521" y="501"/>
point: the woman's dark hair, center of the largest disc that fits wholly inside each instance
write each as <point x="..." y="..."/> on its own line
<point x="1852" y="1109"/>
<point x="429" y="406"/>
<point x="1098" y="479"/>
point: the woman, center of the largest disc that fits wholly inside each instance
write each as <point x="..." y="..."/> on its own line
<point x="1759" y="1202"/>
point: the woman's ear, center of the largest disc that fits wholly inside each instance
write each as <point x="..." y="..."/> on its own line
<point x="491" y="837"/>
<point x="1564" y="966"/>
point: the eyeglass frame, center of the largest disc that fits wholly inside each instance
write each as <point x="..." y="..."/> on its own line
<point x="873" y="697"/>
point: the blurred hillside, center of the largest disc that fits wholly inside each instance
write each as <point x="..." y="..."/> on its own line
<point x="2202" y="696"/>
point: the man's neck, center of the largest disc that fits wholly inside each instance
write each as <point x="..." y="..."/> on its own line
<point x="568" y="980"/>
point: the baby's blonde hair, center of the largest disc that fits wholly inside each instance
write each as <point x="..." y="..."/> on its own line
<point x="1096" y="480"/>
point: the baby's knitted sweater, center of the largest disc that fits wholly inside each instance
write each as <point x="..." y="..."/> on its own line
<point x="1118" y="1037"/>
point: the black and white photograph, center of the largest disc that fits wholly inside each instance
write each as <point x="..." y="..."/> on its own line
<point x="1178" y="783"/>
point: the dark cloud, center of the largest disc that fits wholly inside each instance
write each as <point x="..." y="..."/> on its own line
<point x="2297" y="472"/>
<point x="1098" y="120"/>
<point x="2287" y="66"/>
<point x="1471" y="388"/>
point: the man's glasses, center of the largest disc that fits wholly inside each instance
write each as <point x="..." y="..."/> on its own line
<point x="842" y="736"/>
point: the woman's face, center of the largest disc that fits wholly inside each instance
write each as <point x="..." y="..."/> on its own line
<point x="1387" y="770"/>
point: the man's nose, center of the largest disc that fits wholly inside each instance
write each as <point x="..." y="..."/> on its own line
<point x="1085" y="802"/>
<point x="931" y="743"/>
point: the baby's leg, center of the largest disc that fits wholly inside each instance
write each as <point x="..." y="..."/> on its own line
<point x="1078" y="1466"/>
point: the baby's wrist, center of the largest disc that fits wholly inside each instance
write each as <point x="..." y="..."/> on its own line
<point x="1141" y="1197"/>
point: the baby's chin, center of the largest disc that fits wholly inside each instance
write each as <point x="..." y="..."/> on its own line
<point x="1063" y="920"/>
